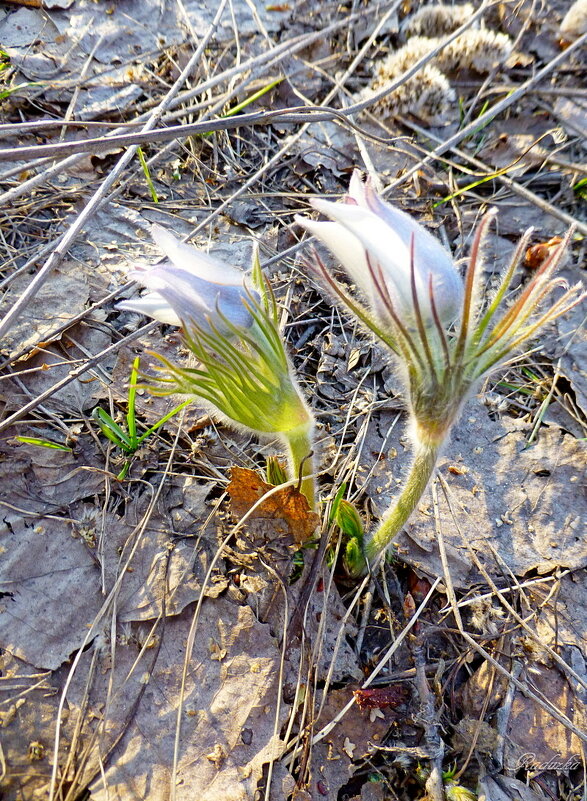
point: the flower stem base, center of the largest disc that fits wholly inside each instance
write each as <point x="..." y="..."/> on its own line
<point x="301" y="462"/>
<point x="420" y="474"/>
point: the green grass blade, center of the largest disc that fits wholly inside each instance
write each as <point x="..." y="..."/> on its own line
<point x="43" y="443"/>
<point x="163" y="420"/>
<point x="147" y="173"/>
<point x="131" y="419"/>
<point x="112" y="430"/>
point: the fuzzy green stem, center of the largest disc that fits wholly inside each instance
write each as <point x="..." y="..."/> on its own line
<point x="300" y="446"/>
<point x="420" y="474"/>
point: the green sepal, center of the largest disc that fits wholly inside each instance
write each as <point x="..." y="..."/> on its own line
<point x="263" y="287"/>
<point x="276" y="473"/>
<point x="349" y="520"/>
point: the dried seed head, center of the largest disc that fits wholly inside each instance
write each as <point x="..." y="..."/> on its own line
<point x="436" y="20"/>
<point x="476" y="49"/>
<point x="427" y="95"/>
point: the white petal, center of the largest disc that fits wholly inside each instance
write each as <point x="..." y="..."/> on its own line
<point x="195" y="261"/>
<point x="430" y="258"/>
<point x="390" y="248"/>
<point x="357" y="188"/>
<point x="346" y="248"/>
<point x="429" y="248"/>
<point x="153" y="306"/>
<point x="380" y="241"/>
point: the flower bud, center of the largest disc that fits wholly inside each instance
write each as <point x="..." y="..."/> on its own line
<point x="397" y="264"/>
<point x="191" y="288"/>
<point x="242" y="369"/>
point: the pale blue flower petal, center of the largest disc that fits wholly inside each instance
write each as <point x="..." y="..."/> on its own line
<point x="152" y="305"/>
<point x="195" y="300"/>
<point x="195" y="261"/>
<point x="191" y="288"/>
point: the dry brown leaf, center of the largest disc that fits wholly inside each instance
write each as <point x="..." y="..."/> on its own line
<point x="358" y="726"/>
<point x="51" y="577"/>
<point x="535" y="740"/>
<point x="62" y="297"/>
<point x="523" y="504"/>
<point x="27" y="739"/>
<point x="229" y="718"/>
<point x="287" y="505"/>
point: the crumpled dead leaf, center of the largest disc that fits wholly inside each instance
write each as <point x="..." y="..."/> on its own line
<point x="51" y="570"/>
<point x="266" y="586"/>
<point x="29" y="702"/>
<point x="535" y="741"/>
<point x="288" y="505"/>
<point x="46" y="481"/>
<point x="511" y="504"/>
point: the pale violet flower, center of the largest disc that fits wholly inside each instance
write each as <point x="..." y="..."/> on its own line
<point x="190" y="288"/>
<point x="241" y="367"/>
<point x="394" y="261"/>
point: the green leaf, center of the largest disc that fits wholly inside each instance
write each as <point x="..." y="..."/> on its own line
<point x="580" y="189"/>
<point x="112" y="430"/>
<point x="132" y="393"/>
<point x="353" y="559"/>
<point x="263" y="287"/>
<point x="335" y="503"/>
<point x="147" y="174"/>
<point x="43" y="443"/>
<point x="349" y="520"/>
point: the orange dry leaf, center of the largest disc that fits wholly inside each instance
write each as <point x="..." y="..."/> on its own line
<point x="536" y="255"/>
<point x="286" y="504"/>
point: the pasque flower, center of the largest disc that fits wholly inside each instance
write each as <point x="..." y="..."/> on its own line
<point x="229" y="323"/>
<point x="444" y="338"/>
<point x="373" y="241"/>
<point x="190" y="287"/>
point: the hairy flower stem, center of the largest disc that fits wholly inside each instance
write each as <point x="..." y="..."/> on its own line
<point x="425" y="458"/>
<point x="301" y="463"/>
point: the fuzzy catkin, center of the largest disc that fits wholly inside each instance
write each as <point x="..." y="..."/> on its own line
<point x="428" y="93"/>
<point x="437" y="20"/>
<point x="476" y="49"/>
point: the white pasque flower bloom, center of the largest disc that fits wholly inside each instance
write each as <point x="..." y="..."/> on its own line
<point x="384" y="250"/>
<point x="190" y="288"/>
